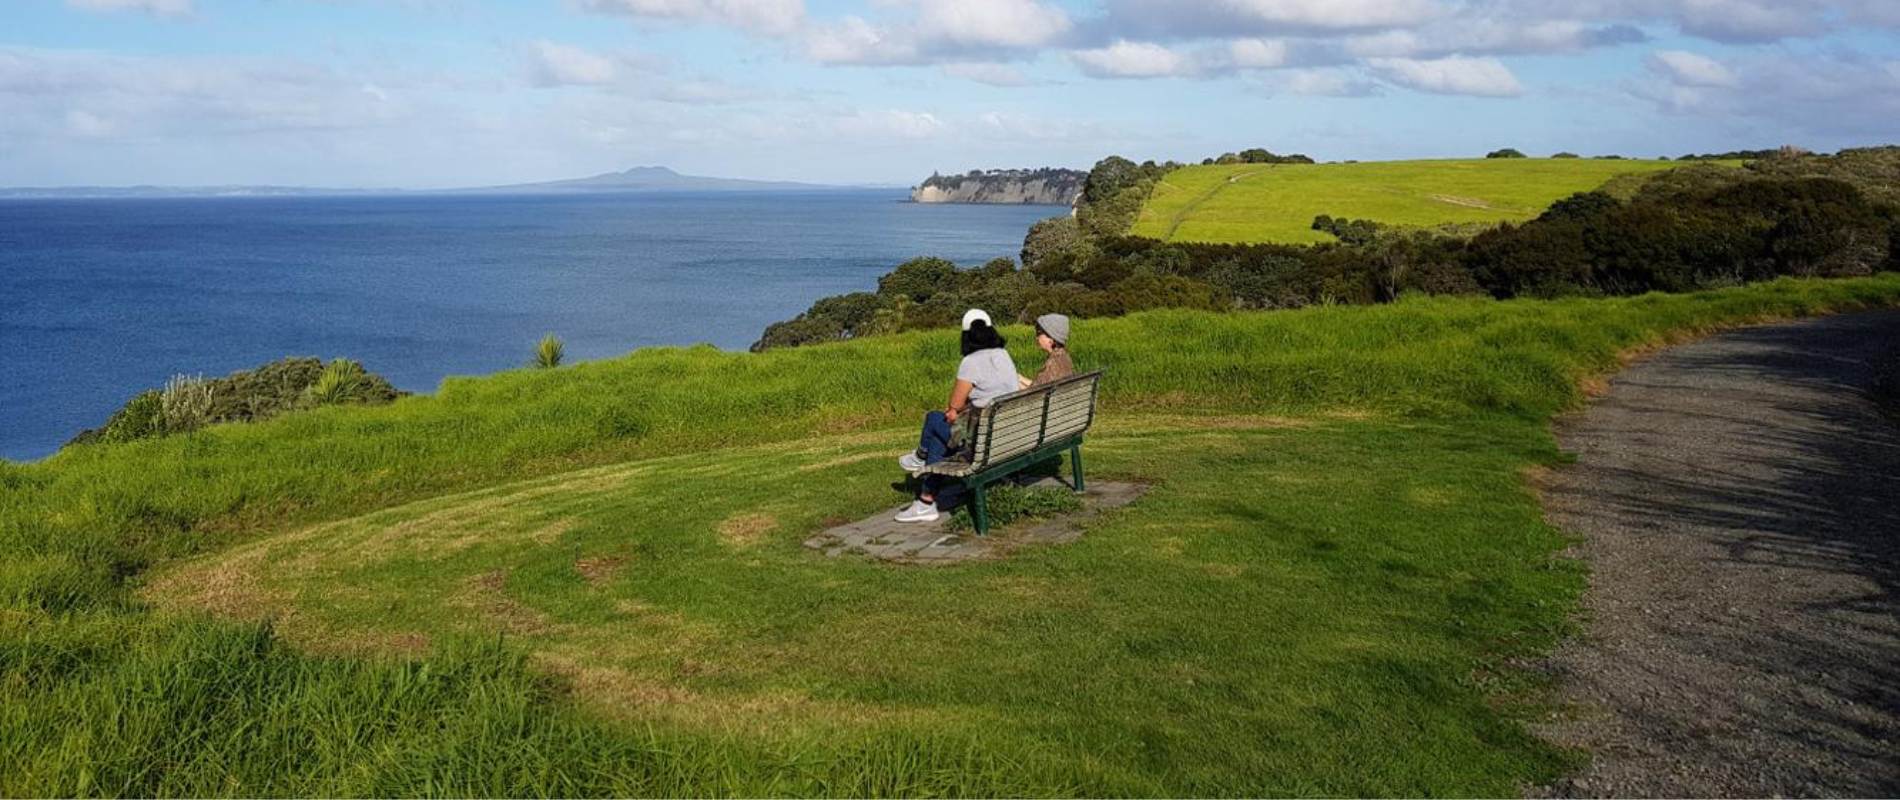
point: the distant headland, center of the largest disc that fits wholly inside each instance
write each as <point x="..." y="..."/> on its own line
<point x="1046" y="186"/>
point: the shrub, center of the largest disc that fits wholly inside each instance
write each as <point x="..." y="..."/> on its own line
<point x="1350" y="231"/>
<point x="342" y="381"/>
<point x="1508" y="152"/>
<point x="919" y="278"/>
<point x="1048" y="237"/>
<point x="142" y="417"/>
<point x="547" y="354"/>
<point x="1580" y="206"/>
<point x="244" y="396"/>
<point x="1270" y="282"/>
<point x="185" y="403"/>
<point x="1563" y="154"/>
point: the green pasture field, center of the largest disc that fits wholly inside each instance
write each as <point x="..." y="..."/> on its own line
<point x="590" y="580"/>
<point x="1254" y="203"/>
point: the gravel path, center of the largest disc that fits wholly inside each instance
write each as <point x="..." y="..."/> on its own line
<point x="1738" y="500"/>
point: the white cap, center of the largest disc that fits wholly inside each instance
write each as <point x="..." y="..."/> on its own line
<point x="975" y="314"/>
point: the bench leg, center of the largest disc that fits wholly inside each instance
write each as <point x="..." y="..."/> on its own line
<point x="979" y="510"/>
<point x="1075" y="465"/>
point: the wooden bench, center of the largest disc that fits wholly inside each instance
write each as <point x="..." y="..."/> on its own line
<point x="1020" y="430"/>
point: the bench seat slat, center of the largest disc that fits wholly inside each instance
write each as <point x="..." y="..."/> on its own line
<point x="1069" y="424"/>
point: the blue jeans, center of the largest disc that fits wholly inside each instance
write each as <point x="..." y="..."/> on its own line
<point x="935" y="441"/>
<point x="935" y="444"/>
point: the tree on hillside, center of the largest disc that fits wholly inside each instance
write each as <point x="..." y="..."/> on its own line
<point x="919" y="278"/>
<point x="1564" y="154"/>
<point x="1110" y="175"/>
<point x="1508" y="152"/>
<point x="1049" y="237"/>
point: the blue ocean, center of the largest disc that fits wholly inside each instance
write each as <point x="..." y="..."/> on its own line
<point x="100" y="299"/>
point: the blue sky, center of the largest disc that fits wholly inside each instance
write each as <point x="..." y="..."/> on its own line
<point x="433" y="93"/>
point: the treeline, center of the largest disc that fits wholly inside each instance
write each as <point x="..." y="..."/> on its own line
<point x="1693" y="227"/>
<point x="1050" y="175"/>
<point x="1257" y="155"/>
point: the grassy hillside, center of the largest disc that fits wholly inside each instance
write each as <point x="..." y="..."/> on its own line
<point x="1320" y="594"/>
<point x="1249" y="203"/>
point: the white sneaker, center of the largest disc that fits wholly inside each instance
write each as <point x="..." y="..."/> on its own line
<point x="911" y="463"/>
<point x="919" y="511"/>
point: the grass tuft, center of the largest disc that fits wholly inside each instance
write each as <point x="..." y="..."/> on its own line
<point x="547" y="354"/>
<point x="1008" y="502"/>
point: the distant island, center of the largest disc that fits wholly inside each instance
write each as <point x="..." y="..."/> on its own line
<point x="637" y="179"/>
<point x="1046" y="186"/>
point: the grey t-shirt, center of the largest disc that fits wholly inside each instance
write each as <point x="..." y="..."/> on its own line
<point x="990" y="372"/>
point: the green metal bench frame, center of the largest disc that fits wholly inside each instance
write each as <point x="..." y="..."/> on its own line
<point x="977" y="477"/>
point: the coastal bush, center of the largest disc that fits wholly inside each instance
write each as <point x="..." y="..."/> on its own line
<point x="1508" y="152"/>
<point x="142" y="417"/>
<point x="243" y="396"/>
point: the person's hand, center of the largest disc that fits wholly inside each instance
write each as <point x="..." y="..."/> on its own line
<point x="950" y="415"/>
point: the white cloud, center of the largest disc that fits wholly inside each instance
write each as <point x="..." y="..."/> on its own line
<point x="1257" y="53"/>
<point x="853" y="40"/>
<point x="1002" y="126"/>
<point x="1489" y="36"/>
<point x="1189" y="19"/>
<point x="159" y="8"/>
<point x="555" y="64"/>
<point x="889" y="123"/>
<point x="99" y="95"/>
<point x="1692" y="69"/>
<point x="1482" y="77"/>
<point x="936" y="31"/>
<point x="990" y="23"/>
<point x="626" y="73"/>
<point x="1748" y="20"/>
<point x="1126" y="59"/>
<point x="1323" y="81"/>
<point x="768" y="17"/>
<point x="987" y="73"/>
<point x="1335" y="14"/>
<point x="1830" y="97"/>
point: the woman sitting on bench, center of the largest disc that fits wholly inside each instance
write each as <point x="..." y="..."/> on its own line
<point x="985" y="374"/>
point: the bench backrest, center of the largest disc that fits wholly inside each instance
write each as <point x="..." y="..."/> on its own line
<point x="1017" y="423"/>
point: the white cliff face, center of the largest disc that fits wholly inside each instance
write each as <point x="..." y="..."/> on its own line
<point x="1009" y="187"/>
<point x="932" y="194"/>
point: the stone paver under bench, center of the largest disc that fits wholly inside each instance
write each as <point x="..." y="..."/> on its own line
<point x="881" y="537"/>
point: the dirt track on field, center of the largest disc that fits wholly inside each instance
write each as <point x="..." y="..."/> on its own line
<point x="1738" y="501"/>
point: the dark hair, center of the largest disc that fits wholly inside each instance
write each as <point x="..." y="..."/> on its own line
<point x="981" y="336"/>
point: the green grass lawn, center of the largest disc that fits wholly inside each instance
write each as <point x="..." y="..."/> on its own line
<point x="1253" y="203"/>
<point x="589" y="580"/>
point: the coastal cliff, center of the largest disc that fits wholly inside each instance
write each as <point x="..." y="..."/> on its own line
<point x="1055" y="187"/>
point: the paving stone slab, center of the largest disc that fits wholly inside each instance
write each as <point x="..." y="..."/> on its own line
<point x="881" y="537"/>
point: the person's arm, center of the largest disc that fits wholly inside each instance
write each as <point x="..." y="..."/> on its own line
<point x="1023" y="383"/>
<point x="959" y="397"/>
